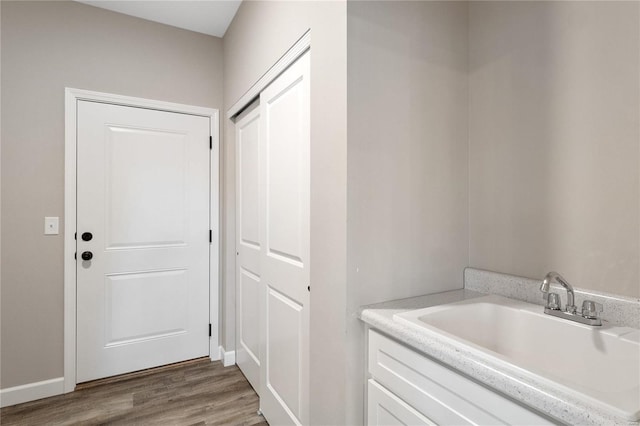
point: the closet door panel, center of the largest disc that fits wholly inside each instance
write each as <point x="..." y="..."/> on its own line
<point x="284" y="218"/>
<point x="249" y="291"/>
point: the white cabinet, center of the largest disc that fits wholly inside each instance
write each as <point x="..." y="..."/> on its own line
<point x="384" y="408"/>
<point x="414" y="389"/>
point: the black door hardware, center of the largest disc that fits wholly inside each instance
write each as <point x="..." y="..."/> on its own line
<point x="86" y="255"/>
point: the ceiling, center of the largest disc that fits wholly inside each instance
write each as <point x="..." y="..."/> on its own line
<point x="204" y="16"/>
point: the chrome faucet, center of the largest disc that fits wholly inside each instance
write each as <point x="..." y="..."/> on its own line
<point x="590" y="309"/>
<point x="546" y="284"/>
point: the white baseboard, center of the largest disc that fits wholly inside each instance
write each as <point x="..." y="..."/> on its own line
<point x="215" y="353"/>
<point x="31" y="392"/>
<point x="228" y="358"/>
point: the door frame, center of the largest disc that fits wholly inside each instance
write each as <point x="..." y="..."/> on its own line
<point x="298" y="49"/>
<point x="72" y="96"/>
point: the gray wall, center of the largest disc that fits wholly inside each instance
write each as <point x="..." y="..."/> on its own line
<point x="554" y="141"/>
<point x="407" y="159"/>
<point x="45" y="47"/>
<point x="260" y="33"/>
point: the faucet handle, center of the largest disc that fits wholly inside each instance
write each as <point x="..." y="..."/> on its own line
<point x="553" y="301"/>
<point x="591" y="309"/>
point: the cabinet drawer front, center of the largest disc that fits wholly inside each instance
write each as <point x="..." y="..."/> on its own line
<point x="386" y="409"/>
<point x="439" y="393"/>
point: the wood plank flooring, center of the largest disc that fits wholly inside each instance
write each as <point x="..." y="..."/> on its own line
<point x="196" y="393"/>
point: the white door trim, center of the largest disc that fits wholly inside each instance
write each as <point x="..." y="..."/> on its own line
<point x="298" y="49"/>
<point x="72" y="96"/>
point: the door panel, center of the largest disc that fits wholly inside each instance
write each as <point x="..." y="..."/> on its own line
<point x="143" y="192"/>
<point x="285" y="174"/>
<point x="249" y="293"/>
<point x="136" y="193"/>
<point x="146" y="305"/>
<point x="249" y="154"/>
<point x="284" y="326"/>
<point x="249" y="288"/>
<point x="285" y="138"/>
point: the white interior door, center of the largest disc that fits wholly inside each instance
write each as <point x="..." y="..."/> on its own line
<point x="248" y="245"/>
<point x="284" y="228"/>
<point x="143" y="194"/>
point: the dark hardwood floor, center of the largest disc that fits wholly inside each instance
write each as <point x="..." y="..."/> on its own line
<point x="195" y="393"/>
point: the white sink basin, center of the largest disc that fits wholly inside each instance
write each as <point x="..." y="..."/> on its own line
<point x="601" y="364"/>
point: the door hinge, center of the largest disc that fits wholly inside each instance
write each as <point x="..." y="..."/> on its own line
<point x="210" y="236"/>
<point x="210" y="142"/>
<point x="75" y="235"/>
<point x="209" y="330"/>
<point x="75" y="255"/>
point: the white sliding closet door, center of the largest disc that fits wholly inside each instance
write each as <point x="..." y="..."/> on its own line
<point x="284" y="233"/>
<point x="248" y="245"/>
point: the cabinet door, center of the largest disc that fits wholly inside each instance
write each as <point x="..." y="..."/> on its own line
<point x="447" y="397"/>
<point x="386" y="409"/>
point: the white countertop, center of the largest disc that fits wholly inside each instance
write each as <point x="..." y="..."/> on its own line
<point x="541" y="394"/>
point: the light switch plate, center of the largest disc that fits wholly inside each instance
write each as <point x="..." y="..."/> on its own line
<point x="51" y="225"/>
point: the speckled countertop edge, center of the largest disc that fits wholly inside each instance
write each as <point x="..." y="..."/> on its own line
<point x="532" y="391"/>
